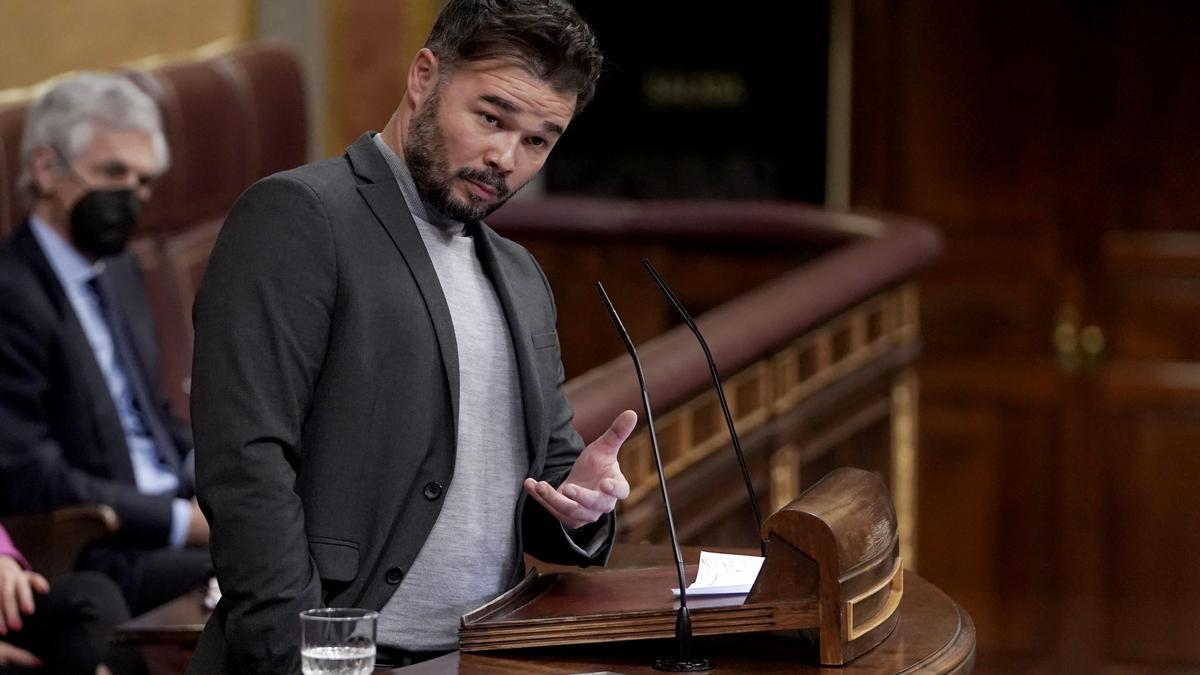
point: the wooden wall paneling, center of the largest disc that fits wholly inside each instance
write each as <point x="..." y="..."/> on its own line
<point x="1057" y="145"/>
<point x="1153" y="283"/>
<point x="370" y="46"/>
<point x="948" y="125"/>
<point x="1149" y="387"/>
<point x="1151" y="603"/>
<point x="1149" y="106"/>
<point x="992" y="296"/>
<point x="987" y="510"/>
<point x="1132" y="141"/>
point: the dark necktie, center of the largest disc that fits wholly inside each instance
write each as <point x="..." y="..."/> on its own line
<point x="135" y="373"/>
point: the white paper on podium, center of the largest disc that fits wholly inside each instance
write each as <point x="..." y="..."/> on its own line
<point x="724" y="574"/>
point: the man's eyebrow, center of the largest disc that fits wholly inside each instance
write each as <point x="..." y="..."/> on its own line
<point x="513" y="109"/>
<point x="502" y="103"/>
<point x="113" y="166"/>
<point x="118" y="165"/>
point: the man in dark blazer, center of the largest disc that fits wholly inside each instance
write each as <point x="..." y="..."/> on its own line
<point x="82" y="416"/>
<point x="377" y="385"/>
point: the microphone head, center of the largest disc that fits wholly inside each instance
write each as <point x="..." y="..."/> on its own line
<point x="666" y="291"/>
<point x="616" y="319"/>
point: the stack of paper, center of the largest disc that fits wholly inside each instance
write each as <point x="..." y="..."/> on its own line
<point x="724" y="573"/>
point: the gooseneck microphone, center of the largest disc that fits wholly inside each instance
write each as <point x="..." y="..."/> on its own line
<point x="716" y="378"/>
<point x="683" y="621"/>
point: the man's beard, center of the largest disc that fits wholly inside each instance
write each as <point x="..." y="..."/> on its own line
<point x="425" y="153"/>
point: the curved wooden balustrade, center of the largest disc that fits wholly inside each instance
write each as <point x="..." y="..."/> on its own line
<point x="815" y="361"/>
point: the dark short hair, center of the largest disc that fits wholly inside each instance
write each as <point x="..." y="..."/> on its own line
<point x="546" y="37"/>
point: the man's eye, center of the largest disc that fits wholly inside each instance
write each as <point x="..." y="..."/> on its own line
<point x="536" y="141"/>
<point x="490" y="120"/>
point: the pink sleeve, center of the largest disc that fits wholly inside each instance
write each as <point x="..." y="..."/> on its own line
<point x="7" y="548"/>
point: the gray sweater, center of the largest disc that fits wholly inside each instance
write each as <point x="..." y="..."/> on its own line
<point x="471" y="552"/>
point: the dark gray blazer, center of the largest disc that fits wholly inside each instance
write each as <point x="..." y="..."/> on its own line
<point x="325" y="399"/>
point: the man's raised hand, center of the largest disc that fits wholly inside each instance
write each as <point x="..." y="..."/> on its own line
<point x="595" y="482"/>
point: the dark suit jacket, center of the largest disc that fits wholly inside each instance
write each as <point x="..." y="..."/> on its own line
<point x="325" y="399"/>
<point x="61" y="441"/>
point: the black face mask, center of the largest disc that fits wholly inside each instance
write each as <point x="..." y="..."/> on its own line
<point x="102" y="221"/>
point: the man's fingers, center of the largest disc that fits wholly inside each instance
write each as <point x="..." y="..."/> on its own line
<point x="592" y="500"/>
<point x="535" y="490"/>
<point x="618" y="431"/>
<point x="564" y="505"/>
<point x="561" y="517"/>
<point x="566" y="511"/>
<point x="38" y="582"/>
<point x="8" y="605"/>
<point x="15" y="656"/>
<point x="24" y="594"/>
<point x="617" y="487"/>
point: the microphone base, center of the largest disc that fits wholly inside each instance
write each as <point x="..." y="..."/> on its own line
<point x="687" y="666"/>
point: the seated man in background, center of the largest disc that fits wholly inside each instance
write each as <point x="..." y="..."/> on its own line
<point x="83" y="418"/>
<point x="60" y="628"/>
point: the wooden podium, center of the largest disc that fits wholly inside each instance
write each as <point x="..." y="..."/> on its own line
<point x="832" y="568"/>
<point x="933" y="635"/>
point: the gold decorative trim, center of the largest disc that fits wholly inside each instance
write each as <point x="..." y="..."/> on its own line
<point x="904" y="462"/>
<point x="896" y="581"/>
<point x="774" y="386"/>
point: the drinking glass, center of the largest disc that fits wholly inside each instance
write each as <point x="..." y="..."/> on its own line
<point x="337" y="641"/>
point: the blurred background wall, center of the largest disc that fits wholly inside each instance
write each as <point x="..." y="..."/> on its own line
<point x="41" y="39"/>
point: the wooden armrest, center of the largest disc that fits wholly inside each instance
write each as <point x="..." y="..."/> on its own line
<point x="51" y="542"/>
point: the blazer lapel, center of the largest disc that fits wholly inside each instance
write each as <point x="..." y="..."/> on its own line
<point x="383" y="196"/>
<point x="531" y="388"/>
<point x="77" y="352"/>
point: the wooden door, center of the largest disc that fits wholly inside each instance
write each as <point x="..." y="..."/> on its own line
<point x="1058" y="147"/>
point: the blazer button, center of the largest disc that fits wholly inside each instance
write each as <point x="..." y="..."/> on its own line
<point x="433" y="491"/>
<point x="394" y="575"/>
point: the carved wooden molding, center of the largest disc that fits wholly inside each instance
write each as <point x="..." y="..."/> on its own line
<point x="777" y="385"/>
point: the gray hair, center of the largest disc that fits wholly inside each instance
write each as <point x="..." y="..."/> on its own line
<point x="65" y="117"/>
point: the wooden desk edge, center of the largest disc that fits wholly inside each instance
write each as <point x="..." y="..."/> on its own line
<point x="958" y="655"/>
<point x="155" y="626"/>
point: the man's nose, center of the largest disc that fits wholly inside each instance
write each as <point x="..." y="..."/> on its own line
<point x="502" y="154"/>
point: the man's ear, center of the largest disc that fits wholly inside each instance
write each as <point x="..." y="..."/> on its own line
<point x="423" y="76"/>
<point x="43" y="164"/>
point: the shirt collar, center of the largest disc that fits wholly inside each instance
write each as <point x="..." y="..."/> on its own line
<point x="68" y="264"/>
